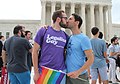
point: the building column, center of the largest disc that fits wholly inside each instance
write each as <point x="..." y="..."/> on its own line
<point x="72" y="8"/>
<point x="83" y="17"/>
<point x="101" y="18"/>
<point x="105" y="24"/>
<point x="109" y="23"/>
<point x="92" y="17"/>
<point x="63" y="6"/>
<point x="43" y="11"/>
<point x="53" y="4"/>
<point x="97" y="16"/>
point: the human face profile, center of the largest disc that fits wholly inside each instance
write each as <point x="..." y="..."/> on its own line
<point x="70" y="22"/>
<point x="63" y="22"/>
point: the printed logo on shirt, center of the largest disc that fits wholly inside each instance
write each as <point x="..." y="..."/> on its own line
<point x="54" y="40"/>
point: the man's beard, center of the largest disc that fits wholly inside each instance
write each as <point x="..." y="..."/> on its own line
<point x="63" y="25"/>
<point x="22" y="35"/>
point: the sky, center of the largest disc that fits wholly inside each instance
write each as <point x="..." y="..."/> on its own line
<point x="31" y="10"/>
<point x="20" y="9"/>
<point x="116" y="11"/>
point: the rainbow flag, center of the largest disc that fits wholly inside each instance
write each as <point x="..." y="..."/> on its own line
<point x="50" y="76"/>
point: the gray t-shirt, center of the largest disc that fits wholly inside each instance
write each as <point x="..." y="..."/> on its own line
<point x="98" y="47"/>
<point x="17" y="49"/>
<point x="113" y="48"/>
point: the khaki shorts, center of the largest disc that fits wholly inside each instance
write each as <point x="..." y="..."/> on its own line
<point x="82" y="79"/>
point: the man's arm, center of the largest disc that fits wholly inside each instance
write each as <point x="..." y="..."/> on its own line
<point x="90" y="60"/>
<point x="35" y="56"/>
<point x="30" y="50"/>
<point x="114" y="53"/>
<point x="87" y="64"/>
<point x="36" y="47"/>
<point x="4" y="58"/>
<point x="105" y="55"/>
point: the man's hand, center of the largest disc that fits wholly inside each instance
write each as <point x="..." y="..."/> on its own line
<point x="107" y="60"/>
<point x="74" y="74"/>
<point x="36" y="77"/>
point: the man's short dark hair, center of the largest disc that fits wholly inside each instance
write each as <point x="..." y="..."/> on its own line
<point x="94" y="30"/>
<point x="113" y="39"/>
<point x="56" y="14"/>
<point x="17" y="29"/>
<point x="78" y="18"/>
<point x="1" y="37"/>
<point x="26" y="32"/>
<point x="100" y="35"/>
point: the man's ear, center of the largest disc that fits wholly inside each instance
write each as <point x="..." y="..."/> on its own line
<point x="20" y="31"/>
<point x="77" y="22"/>
<point x="58" y="19"/>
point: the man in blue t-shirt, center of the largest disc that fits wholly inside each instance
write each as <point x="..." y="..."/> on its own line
<point x="100" y="52"/>
<point x="52" y="42"/>
<point x="113" y="52"/>
<point x="78" y="48"/>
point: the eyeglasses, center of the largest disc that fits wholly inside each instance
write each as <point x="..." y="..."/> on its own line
<point x="64" y="18"/>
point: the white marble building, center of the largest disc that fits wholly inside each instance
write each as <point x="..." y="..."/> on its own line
<point x="6" y="26"/>
<point x="93" y="12"/>
<point x="116" y="30"/>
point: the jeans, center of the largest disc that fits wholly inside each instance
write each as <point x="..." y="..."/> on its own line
<point x="19" y="78"/>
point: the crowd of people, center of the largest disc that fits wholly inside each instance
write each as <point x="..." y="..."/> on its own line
<point x="79" y="56"/>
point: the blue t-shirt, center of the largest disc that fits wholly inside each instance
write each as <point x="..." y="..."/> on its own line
<point x="98" y="47"/>
<point x="113" y="48"/>
<point x="52" y="48"/>
<point x="75" y="56"/>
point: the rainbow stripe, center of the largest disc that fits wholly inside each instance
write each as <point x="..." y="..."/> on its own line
<point x="50" y="76"/>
